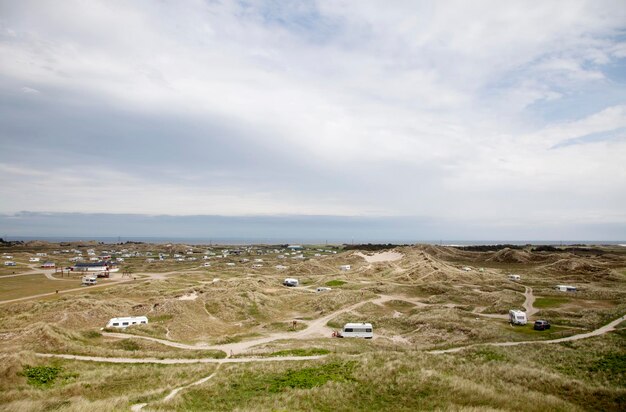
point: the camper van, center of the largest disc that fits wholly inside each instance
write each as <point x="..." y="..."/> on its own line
<point x="357" y="330"/>
<point x="517" y="317"/>
<point x="515" y="277"/>
<point x="291" y="282"/>
<point x="90" y="280"/>
<point x="127" y="321"/>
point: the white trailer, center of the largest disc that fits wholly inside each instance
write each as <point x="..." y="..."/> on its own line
<point x="517" y="317"/>
<point x="127" y="321"/>
<point x="291" y="282"/>
<point x="89" y="280"/>
<point x="357" y="330"/>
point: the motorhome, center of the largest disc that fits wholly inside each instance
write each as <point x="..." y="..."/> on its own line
<point x="515" y="277"/>
<point x="357" y="330"/>
<point x="127" y="321"/>
<point x="89" y="280"/>
<point x="291" y="282"/>
<point x="517" y="317"/>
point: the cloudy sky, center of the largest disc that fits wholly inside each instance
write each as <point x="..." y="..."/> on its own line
<point x="506" y="118"/>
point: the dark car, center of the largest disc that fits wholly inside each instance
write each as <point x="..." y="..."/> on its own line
<point x="541" y="325"/>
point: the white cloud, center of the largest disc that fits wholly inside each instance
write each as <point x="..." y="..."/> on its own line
<point x="411" y="106"/>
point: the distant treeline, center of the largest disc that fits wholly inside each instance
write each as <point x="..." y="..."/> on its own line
<point x="9" y="243"/>
<point x="370" y="246"/>
<point x="489" y="248"/>
<point x="571" y="249"/>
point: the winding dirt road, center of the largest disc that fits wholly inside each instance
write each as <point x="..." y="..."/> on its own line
<point x="597" y="332"/>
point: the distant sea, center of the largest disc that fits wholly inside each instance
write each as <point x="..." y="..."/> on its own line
<point x="279" y="241"/>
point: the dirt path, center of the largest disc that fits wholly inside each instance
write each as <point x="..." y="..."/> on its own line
<point x="600" y="331"/>
<point x="176" y="361"/>
<point x="529" y="302"/>
<point x="174" y="392"/>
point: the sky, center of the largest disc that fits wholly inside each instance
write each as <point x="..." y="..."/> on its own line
<point x="477" y="120"/>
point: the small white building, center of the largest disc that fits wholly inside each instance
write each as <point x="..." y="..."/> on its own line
<point x="566" y="288"/>
<point x="127" y="321"/>
<point x="280" y="267"/>
<point x="517" y="317"/>
<point x="345" y="267"/>
<point x="10" y="263"/>
<point x="291" y="282"/>
<point x="257" y="265"/>
<point x="515" y="277"/>
<point x="34" y="259"/>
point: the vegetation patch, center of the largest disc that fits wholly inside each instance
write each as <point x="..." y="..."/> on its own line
<point x="128" y="344"/>
<point x="614" y="363"/>
<point x="41" y="376"/>
<point x="550" y="302"/>
<point x="335" y="283"/>
<point x="305" y="378"/>
<point x="301" y="352"/>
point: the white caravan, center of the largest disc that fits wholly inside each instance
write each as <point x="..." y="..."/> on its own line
<point x="515" y="277"/>
<point x="566" y="288"/>
<point x="90" y="280"/>
<point x="517" y="317"/>
<point x="357" y="330"/>
<point x="127" y="321"/>
<point x="291" y="282"/>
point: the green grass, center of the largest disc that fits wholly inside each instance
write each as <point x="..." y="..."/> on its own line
<point x="335" y="283"/>
<point x="41" y="375"/>
<point x="301" y="352"/>
<point x="28" y="285"/>
<point x="247" y="387"/>
<point x="550" y="302"/>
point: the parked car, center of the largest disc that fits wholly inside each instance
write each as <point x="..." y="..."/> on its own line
<point x="541" y="325"/>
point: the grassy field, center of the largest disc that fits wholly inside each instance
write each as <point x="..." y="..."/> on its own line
<point x="423" y="302"/>
<point x="21" y="286"/>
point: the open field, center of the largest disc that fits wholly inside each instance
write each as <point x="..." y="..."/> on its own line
<point x="223" y="337"/>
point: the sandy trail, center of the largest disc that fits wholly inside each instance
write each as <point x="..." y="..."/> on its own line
<point x="175" y="361"/>
<point x="529" y="302"/>
<point x="597" y="332"/>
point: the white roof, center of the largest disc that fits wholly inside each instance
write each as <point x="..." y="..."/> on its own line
<point x="357" y="325"/>
<point x="128" y="318"/>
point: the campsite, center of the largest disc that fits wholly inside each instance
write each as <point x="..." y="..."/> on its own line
<point x="163" y="334"/>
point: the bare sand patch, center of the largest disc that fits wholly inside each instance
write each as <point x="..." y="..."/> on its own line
<point x="189" y="296"/>
<point x="381" y="256"/>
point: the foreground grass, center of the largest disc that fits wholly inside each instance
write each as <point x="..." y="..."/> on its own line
<point x="562" y="378"/>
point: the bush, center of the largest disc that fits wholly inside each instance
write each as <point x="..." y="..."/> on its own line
<point x="41" y="375"/>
